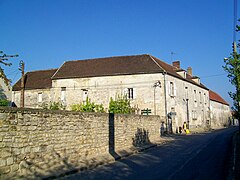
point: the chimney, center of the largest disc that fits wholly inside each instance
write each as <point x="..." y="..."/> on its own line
<point x="189" y="71"/>
<point x="176" y="64"/>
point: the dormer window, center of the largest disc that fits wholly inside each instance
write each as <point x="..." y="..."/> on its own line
<point x="196" y="79"/>
<point x="182" y="73"/>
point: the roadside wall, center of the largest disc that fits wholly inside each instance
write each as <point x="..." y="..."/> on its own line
<point x="40" y="143"/>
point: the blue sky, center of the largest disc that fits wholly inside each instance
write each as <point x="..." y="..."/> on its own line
<point x="45" y="33"/>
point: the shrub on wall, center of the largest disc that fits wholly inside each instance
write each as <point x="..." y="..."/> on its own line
<point x="120" y="106"/>
<point x="88" y="106"/>
<point x="4" y="102"/>
<point x="53" y="106"/>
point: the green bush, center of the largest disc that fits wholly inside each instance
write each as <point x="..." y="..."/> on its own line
<point x="120" y="106"/>
<point x="4" y="102"/>
<point x="53" y="106"/>
<point x="88" y="106"/>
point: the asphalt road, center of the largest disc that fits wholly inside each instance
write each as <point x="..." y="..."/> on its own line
<point x="199" y="156"/>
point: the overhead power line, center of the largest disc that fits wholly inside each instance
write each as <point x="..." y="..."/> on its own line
<point x="214" y="75"/>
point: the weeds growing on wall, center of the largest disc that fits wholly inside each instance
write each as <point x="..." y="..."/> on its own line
<point x="53" y="106"/>
<point x="120" y="106"/>
<point x="87" y="106"/>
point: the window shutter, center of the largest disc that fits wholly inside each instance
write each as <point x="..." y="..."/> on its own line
<point x="125" y="92"/>
<point x="174" y="89"/>
<point x="134" y="93"/>
<point x="169" y="88"/>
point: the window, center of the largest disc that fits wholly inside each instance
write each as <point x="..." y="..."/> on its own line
<point x="194" y="115"/>
<point x="195" y="98"/>
<point x="200" y="97"/>
<point x="40" y="97"/>
<point x="204" y="99"/>
<point x="84" y="94"/>
<point x="184" y="75"/>
<point x="63" y="94"/>
<point x="195" y="95"/>
<point x="172" y="89"/>
<point x="186" y="92"/>
<point x="130" y="93"/>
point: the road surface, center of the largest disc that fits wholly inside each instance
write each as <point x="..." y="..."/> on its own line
<point x="199" y="156"/>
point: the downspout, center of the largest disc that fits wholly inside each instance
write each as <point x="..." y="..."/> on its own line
<point x="188" y="122"/>
<point x="165" y="98"/>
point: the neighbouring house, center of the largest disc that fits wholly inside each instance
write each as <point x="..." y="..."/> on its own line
<point x="5" y="89"/>
<point x="37" y="89"/>
<point x="220" y="112"/>
<point x="176" y="95"/>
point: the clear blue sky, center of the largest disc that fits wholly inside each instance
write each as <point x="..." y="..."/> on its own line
<point x="45" y="33"/>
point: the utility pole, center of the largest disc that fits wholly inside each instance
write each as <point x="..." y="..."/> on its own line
<point x="21" y="68"/>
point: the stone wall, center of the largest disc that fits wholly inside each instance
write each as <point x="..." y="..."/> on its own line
<point x="38" y="143"/>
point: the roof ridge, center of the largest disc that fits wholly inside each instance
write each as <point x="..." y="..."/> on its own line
<point x="42" y="70"/>
<point x="152" y="58"/>
<point x="109" y="57"/>
<point x="174" y="68"/>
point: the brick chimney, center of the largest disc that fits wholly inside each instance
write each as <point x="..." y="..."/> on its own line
<point x="189" y="71"/>
<point x="176" y="64"/>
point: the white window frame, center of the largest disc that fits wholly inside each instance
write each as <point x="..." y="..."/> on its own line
<point x="130" y="93"/>
<point x="40" y="97"/>
<point x="172" y="89"/>
<point x="194" y="114"/>
<point x="63" y="94"/>
<point x="84" y="95"/>
<point x="200" y="97"/>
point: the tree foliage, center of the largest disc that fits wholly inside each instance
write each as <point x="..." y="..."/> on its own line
<point x="3" y="61"/>
<point x="232" y="67"/>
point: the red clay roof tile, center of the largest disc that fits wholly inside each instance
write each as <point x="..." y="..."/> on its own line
<point x="36" y="80"/>
<point x="216" y="97"/>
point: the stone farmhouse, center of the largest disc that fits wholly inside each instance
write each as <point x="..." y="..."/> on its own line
<point x="176" y="95"/>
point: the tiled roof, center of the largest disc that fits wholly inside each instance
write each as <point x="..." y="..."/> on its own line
<point x="118" y="65"/>
<point x="109" y="66"/>
<point x="36" y="80"/>
<point x="215" y="97"/>
<point x="173" y="71"/>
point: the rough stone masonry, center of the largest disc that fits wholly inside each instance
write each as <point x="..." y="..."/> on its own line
<point x="41" y="143"/>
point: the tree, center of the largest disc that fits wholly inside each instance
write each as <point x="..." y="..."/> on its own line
<point x="3" y="60"/>
<point x="232" y="67"/>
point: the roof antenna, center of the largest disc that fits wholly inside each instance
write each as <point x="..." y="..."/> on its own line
<point x="172" y="53"/>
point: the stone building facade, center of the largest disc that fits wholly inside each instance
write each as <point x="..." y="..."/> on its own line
<point x="37" y="89"/>
<point x="220" y="113"/>
<point x="169" y="91"/>
<point x="5" y="89"/>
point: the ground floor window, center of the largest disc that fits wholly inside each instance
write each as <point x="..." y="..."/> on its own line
<point x="194" y="115"/>
<point x="130" y="93"/>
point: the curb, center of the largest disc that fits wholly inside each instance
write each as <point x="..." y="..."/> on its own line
<point x="232" y="159"/>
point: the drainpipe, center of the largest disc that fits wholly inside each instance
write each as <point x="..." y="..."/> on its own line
<point x="188" y="125"/>
<point x="165" y="98"/>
